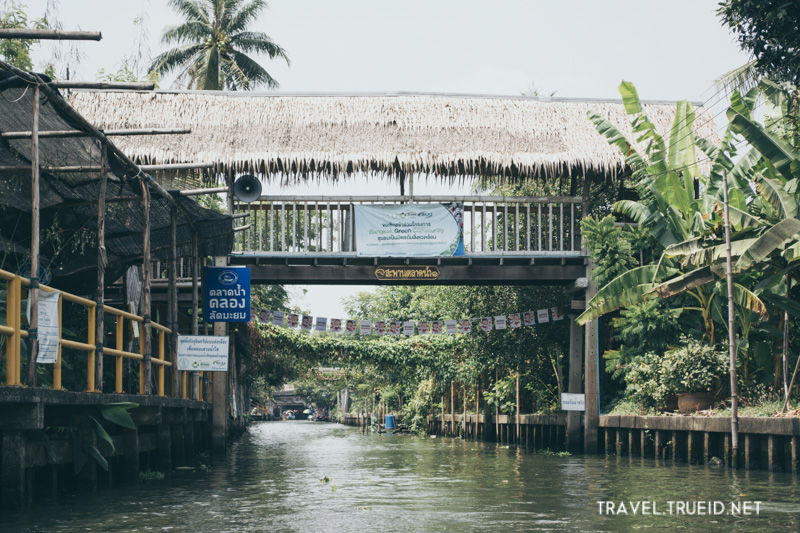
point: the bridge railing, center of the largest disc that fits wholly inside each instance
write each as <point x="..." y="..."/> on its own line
<point x="13" y="333"/>
<point x="493" y="225"/>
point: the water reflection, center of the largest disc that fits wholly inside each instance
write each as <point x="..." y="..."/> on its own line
<point x="274" y="479"/>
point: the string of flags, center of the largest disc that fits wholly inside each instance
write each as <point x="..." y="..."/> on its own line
<point x="407" y="327"/>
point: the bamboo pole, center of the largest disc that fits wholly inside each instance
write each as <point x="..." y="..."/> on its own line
<point x="28" y="33"/>
<point x="785" y="361"/>
<point x="731" y="325"/>
<point x="102" y="261"/>
<point x="11" y="135"/>
<point x="103" y="85"/>
<point x="33" y="293"/>
<point x="146" y="340"/>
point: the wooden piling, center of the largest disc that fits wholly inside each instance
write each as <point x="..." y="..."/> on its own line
<point x="33" y="289"/>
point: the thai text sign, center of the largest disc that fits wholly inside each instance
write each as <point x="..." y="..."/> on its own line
<point x="205" y="353"/>
<point x="573" y="402"/>
<point x="417" y="273"/>
<point x="410" y="230"/>
<point x="48" y="326"/>
<point x="227" y="294"/>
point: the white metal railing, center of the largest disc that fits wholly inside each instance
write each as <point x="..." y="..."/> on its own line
<point x="493" y="225"/>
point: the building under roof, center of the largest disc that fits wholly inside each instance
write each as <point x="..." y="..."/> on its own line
<point x="68" y="200"/>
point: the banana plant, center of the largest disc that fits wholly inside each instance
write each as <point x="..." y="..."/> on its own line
<point x="762" y="205"/>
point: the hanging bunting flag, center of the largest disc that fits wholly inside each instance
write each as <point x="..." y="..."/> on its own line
<point x="529" y="318"/>
<point x="305" y="323"/>
<point x="450" y="327"/>
<point x="556" y="314"/>
<point x="366" y="327"/>
<point x="486" y="323"/>
<point x="542" y="316"/>
<point x="408" y="328"/>
<point x="264" y="316"/>
<point x="351" y="327"/>
<point x="294" y="320"/>
<point x="464" y="325"/>
<point x="336" y="325"/>
<point x="277" y="318"/>
<point x="380" y="327"/>
<point x="437" y="327"/>
<point x="395" y="326"/>
<point x="422" y="327"/>
<point x="514" y="320"/>
<point x="322" y="322"/>
<point x="500" y="322"/>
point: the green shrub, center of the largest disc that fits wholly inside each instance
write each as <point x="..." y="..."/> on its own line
<point x="693" y="367"/>
<point x="645" y="384"/>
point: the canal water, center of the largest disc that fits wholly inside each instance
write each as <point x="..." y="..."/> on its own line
<point x="311" y="476"/>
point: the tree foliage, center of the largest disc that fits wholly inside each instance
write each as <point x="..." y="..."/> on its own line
<point x="769" y="30"/>
<point x="215" y="47"/>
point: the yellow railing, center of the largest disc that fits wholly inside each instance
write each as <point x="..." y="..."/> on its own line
<point x="14" y="334"/>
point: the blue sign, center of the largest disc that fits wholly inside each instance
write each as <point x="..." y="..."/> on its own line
<point x="227" y="294"/>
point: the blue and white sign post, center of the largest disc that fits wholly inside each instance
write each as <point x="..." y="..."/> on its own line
<point x="227" y="294"/>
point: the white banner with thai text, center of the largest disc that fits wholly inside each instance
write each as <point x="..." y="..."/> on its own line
<point x="409" y="230"/>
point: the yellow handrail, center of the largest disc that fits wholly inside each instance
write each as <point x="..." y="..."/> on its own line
<point x="14" y="334"/>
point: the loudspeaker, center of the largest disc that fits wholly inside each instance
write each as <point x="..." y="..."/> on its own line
<point x="247" y="188"/>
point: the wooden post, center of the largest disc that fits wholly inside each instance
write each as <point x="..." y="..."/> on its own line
<point x="172" y="313"/>
<point x="33" y="293"/>
<point x="731" y="326"/>
<point x="464" y="416"/>
<point x="574" y="383"/>
<point x="146" y="341"/>
<point x="496" y="407"/>
<point x="219" y="389"/>
<point x="452" y="409"/>
<point x="592" y="413"/>
<point x="516" y="417"/>
<point x="195" y="317"/>
<point x="102" y="261"/>
<point x="477" y="408"/>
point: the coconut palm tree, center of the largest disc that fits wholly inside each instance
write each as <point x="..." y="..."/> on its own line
<point x="214" y="46"/>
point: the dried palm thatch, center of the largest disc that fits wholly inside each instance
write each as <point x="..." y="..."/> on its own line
<point x="450" y="136"/>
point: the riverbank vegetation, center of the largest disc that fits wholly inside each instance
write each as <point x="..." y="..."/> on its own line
<point x="661" y="303"/>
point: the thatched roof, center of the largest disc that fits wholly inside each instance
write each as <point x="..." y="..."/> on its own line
<point x="445" y="135"/>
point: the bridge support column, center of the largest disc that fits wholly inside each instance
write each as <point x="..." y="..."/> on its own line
<point x="574" y="385"/>
<point x="592" y="414"/>
<point x="219" y="393"/>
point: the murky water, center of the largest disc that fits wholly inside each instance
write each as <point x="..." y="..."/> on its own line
<point x="274" y="480"/>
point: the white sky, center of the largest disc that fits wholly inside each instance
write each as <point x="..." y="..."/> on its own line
<point x="670" y="49"/>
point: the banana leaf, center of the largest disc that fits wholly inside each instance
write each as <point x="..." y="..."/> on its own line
<point x="776" y="195"/>
<point x="781" y="233"/>
<point x="773" y="148"/>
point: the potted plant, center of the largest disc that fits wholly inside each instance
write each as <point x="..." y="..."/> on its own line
<point x="694" y="371"/>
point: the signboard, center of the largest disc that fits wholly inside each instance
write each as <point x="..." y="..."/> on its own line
<point x="409" y="230"/>
<point x="416" y="273"/>
<point x="573" y="402"/>
<point x="227" y="294"/>
<point x="48" y="326"/>
<point x="207" y="353"/>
